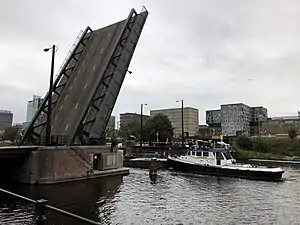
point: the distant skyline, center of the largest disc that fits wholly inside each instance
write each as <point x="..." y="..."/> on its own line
<point x="207" y="52"/>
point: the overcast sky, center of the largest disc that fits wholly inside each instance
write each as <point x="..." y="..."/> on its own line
<point x="206" y="52"/>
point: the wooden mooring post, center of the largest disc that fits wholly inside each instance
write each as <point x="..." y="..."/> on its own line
<point x="153" y="170"/>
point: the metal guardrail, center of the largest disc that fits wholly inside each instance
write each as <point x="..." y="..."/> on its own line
<point x="40" y="207"/>
<point x="70" y="52"/>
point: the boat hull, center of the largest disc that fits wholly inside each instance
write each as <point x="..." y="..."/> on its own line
<point x="229" y="172"/>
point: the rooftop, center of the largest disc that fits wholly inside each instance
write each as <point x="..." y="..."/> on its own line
<point x="170" y="109"/>
<point x="131" y="114"/>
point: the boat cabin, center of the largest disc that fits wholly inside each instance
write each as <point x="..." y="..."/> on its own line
<point x="209" y="157"/>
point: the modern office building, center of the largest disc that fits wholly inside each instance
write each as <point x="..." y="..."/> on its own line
<point x="206" y="131"/>
<point x="214" y="118"/>
<point x="126" y="118"/>
<point x="6" y="119"/>
<point x="190" y="120"/>
<point x="235" y="119"/>
<point x="32" y="107"/>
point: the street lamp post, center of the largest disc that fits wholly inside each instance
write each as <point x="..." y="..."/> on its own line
<point x="141" y="133"/>
<point x="298" y="121"/>
<point x="48" y="125"/>
<point x="182" y="124"/>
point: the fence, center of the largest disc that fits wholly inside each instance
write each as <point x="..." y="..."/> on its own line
<point x="41" y="206"/>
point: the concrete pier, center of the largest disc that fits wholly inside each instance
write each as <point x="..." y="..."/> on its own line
<point x="50" y="165"/>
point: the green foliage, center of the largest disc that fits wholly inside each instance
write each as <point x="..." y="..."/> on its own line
<point x="268" y="148"/>
<point x="292" y="133"/>
<point x="244" y="154"/>
<point x="261" y="145"/>
<point x="244" y="142"/>
<point x="114" y="141"/>
<point x="11" y="133"/>
<point x="158" y="124"/>
<point x="130" y="129"/>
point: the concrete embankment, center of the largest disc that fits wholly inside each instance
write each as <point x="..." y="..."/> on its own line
<point x="56" y="164"/>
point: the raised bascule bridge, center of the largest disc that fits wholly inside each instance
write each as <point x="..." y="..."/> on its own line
<point x="84" y="93"/>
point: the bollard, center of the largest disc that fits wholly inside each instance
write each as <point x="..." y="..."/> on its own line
<point x="153" y="170"/>
<point x="40" y="216"/>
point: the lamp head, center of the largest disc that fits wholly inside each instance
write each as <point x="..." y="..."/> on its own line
<point x="46" y="49"/>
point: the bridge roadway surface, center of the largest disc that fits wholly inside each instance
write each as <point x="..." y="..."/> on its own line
<point x="81" y="85"/>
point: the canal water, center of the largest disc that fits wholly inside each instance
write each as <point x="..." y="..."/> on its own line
<point x="175" y="198"/>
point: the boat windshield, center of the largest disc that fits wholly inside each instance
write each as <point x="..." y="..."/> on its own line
<point x="227" y="155"/>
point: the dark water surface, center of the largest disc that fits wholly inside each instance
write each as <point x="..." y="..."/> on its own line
<point x="174" y="199"/>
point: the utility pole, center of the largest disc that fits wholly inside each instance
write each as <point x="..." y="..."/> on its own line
<point x="258" y="125"/>
<point x="141" y="132"/>
<point x="298" y="122"/>
<point x="48" y="125"/>
<point x="182" y="124"/>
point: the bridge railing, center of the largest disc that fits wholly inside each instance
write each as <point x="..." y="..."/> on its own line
<point x="41" y="206"/>
<point x="70" y="52"/>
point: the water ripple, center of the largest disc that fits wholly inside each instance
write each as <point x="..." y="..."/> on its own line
<point x="175" y="198"/>
<point x="182" y="198"/>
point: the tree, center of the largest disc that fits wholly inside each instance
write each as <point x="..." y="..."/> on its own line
<point x="292" y="133"/>
<point x="244" y="142"/>
<point x="11" y="133"/>
<point x="158" y="124"/>
<point x="128" y="130"/>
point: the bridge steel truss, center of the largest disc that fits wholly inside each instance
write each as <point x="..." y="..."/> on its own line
<point x="35" y="132"/>
<point x="88" y="124"/>
<point x="93" y="123"/>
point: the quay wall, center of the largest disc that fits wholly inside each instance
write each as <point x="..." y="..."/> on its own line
<point x="49" y="165"/>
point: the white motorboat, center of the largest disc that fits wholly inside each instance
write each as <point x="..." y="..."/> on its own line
<point x="219" y="162"/>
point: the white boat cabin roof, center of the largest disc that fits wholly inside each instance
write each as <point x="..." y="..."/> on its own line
<point x="211" y="150"/>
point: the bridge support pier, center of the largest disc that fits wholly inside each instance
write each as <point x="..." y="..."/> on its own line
<point x="56" y="164"/>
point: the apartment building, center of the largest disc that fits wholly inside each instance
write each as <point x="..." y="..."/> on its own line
<point x="126" y="118"/>
<point x="32" y="107"/>
<point x="239" y="118"/>
<point x="206" y="131"/>
<point x="190" y="120"/>
<point x="6" y="119"/>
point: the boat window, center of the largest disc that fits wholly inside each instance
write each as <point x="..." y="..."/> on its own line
<point x="219" y="156"/>
<point x="227" y="155"/>
<point x="198" y="153"/>
<point x="223" y="156"/>
<point x="205" y="153"/>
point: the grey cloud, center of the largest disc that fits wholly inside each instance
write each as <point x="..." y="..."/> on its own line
<point x="205" y="52"/>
